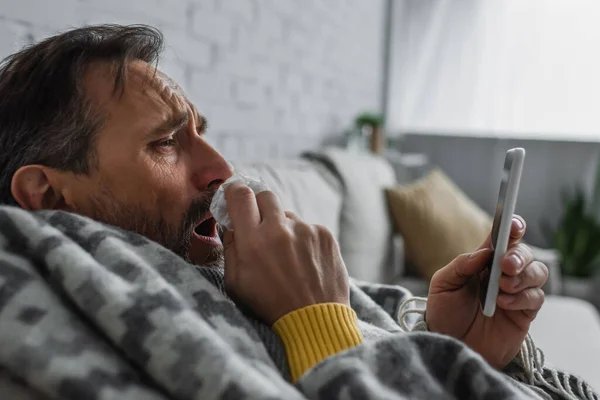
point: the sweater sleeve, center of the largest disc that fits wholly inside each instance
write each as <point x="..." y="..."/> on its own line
<point x="313" y="333"/>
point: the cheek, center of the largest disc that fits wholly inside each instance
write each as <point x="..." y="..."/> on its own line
<point x="156" y="186"/>
<point x="153" y="178"/>
<point x="171" y="188"/>
<point x="172" y="180"/>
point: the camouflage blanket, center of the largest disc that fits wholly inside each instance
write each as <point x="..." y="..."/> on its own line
<point x="88" y="311"/>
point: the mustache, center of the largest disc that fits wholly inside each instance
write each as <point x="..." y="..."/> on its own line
<point x="199" y="207"/>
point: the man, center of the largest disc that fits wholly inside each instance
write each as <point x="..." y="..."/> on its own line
<point x="89" y="126"/>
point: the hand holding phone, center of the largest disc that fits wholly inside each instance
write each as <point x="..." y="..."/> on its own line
<point x="505" y="208"/>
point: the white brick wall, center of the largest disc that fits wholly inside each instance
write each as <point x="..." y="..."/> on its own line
<point x="274" y="77"/>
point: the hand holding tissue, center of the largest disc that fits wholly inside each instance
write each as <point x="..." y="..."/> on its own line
<point x="218" y="206"/>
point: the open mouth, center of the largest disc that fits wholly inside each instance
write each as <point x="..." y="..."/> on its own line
<point x="206" y="228"/>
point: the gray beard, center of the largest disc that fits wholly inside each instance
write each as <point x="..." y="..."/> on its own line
<point x="175" y="237"/>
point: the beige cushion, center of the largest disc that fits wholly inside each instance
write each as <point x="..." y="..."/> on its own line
<point x="437" y="220"/>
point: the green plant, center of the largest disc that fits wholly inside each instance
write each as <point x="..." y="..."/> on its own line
<point x="369" y="119"/>
<point x="577" y="236"/>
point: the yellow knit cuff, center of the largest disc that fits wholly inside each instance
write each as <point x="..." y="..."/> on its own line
<point x="313" y="333"/>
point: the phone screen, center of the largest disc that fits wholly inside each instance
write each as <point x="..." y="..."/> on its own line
<point x="496" y="224"/>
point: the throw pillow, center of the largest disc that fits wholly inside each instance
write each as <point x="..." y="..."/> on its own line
<point x="437" y="221"/>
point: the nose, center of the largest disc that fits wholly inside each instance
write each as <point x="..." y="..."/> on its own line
<point x="210" y="169"/>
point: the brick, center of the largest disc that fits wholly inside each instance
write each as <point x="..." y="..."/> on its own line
<point x="241" y="121"/>
<point x="269" y="29"/>
<point x="152" y="12"/>
<point x="181" y="46"/>
<point x="212" y="140"/>
<point x="285" y="8"/>
<point x="13" y="37"/>
<point x="254" y="41"/>
<point x="249" y="92"/>
<point x="266" y="72"/>
<point x="244" y="10"/>
<point x="215" y="27"/>
<point x="293" y="82"/>
<point x="249" y="66"/>
<point x="229" y="147"/>
<point x="210" y="87"/>
<point x="223" y="118"/>
<point x="176" y="70"/>
<point x="90" y="16"/>
<point x="40" y="12"/>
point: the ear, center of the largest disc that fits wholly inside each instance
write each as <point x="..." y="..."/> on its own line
<point x="35" y="187"/>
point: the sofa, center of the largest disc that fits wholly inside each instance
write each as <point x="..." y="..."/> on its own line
<point x="344" y="191"/>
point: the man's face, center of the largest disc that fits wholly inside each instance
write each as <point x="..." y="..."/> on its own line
<point x="156" y="174"/>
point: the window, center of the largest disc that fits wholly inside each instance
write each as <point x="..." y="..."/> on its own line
<point x="509" y="68"/>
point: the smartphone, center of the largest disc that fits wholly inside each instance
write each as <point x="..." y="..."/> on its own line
<point x="505" y="209"/>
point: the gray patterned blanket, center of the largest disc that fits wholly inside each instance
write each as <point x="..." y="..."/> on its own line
<point x="89" y="311"/>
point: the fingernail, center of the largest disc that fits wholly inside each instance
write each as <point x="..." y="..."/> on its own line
<point x="509" y="300"/>
<point x="519" y="223"/>
<point x="515" y="260"/>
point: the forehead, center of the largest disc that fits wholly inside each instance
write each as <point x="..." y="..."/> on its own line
<point x="149" y="96"/>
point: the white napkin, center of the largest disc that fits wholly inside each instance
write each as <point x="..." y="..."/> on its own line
<point x="218" y="206"/>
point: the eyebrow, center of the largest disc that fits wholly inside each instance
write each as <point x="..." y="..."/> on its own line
<point x="202" y="123"/>
<point x="172" y="124"/>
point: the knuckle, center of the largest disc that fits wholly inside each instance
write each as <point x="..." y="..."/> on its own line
<point x="543" y="269"/>
<point x="534" y="297"/>
<point x="526" y="251"/>
<point x="542" y="297"/>
<point x="303" y="229"/>
<point x="265" y="193"/>
<point x="291" y="215"/>
<point x="238" y="192"/>
<point x="462" y="257"/>
<point x="280" y="234"/>
<point x="323" y="231"/>
<point x="254" y="247"/>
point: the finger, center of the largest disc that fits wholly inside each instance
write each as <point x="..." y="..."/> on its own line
<point x="460" y="270"/>
<point x="293" y="216"/>
<point x="242" y="207"/>
<point x="529" y="299"/>
<point x="534" y="275"/>
<point x="517" y="257"/>
<point x="517" y="231"/>
<point x="518" y="227"/>
<point x="269" y="206"/>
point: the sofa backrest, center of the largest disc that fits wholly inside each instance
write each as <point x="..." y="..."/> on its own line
<point x="304" y="187"/>
<point x="365" y="224"/>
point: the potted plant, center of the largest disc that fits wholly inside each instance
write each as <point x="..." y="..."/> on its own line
<point x="577" y="239"/>
<point x="373" y="123"/>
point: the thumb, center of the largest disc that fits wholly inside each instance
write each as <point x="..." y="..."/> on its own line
<point x="460" y="270"/>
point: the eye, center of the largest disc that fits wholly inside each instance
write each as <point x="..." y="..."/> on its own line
<point x="169" y="142"/>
